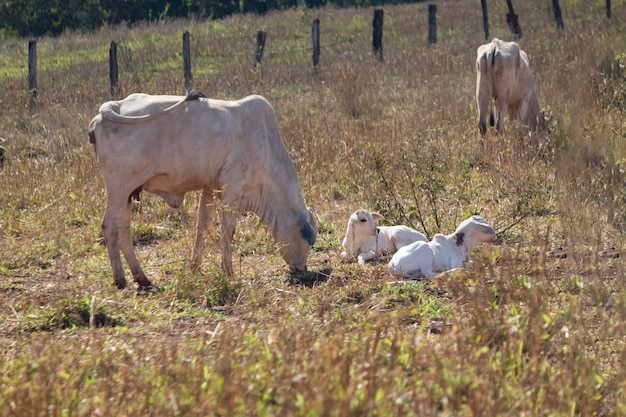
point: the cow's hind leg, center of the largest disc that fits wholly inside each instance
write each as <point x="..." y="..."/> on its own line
<point x="483" y="102"/>
<point x="116" y="228"/>
<point x="110" y="231"/>
<point x="111" y="225"/>
<point x="126" y="244"/>
<point x="206" y="214"/>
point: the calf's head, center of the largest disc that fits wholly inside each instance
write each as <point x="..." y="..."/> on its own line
<point x="360" y="226"/>
<point x="473" y="231"/>
<point x="296" y="236"/>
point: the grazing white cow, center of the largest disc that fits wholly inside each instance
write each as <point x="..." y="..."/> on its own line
<point x="365" y="241"/>
<point x="443" y="253"/>
<point x="504" y="79"/>
<point x="170" y="145"/>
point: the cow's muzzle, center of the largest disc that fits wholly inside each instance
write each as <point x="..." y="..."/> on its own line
<point x="297" y="268"/>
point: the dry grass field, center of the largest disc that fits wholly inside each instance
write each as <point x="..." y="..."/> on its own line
<point x="536" y="328"/>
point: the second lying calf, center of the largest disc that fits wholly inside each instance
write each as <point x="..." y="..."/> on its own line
<point x="445" y="253"/>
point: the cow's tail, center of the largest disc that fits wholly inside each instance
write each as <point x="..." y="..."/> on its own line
<point x="491" y="63"/>
<point x="110" y="110"/>
<point x="491" y="58"/>
<point x="485" y="88"/>
<point x="92" y="129"/>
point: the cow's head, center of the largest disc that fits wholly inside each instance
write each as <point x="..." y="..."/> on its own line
<point x="296" y="236"/>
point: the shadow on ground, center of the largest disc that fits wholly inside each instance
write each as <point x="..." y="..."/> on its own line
<point x="310" y="278"/>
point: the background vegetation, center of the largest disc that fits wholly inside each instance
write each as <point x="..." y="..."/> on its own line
<point x="53" y="17"/>
<point x="537" y="327"/>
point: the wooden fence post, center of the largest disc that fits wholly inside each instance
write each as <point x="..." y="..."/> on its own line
<point x="512" y="21"/>
<point x="315" y="35"/>
<point x="113" y="69"/>
<point x="186" y="59"/>
<point x="485" y="18"/>
<point x="557" y="14"/>
<point x="377" y="38"/>
<point x="432" y="24"/>
<point x="608" y="8"/>
<point x="260" y="46"/>
<point x="32" y="72"/>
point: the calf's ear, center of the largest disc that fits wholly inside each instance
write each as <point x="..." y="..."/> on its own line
<point x="377" y="216"/>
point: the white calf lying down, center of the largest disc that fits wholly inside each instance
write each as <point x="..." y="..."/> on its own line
<point x="365" y="241"/>
<point x="443" y="253"/>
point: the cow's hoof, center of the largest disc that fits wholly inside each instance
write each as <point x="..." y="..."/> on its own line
<point x="146" y="289"/>
<point x="120" y="284"/>
<point x="142" y="280"/>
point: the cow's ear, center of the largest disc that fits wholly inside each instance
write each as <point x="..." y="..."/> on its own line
<point x="313" y="219"/>
<point x="307" y="231"/>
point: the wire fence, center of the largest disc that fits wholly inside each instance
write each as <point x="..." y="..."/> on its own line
<point x="312" y="49"/>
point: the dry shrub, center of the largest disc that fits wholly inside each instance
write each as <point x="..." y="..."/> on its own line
<point x="353" y="87"/>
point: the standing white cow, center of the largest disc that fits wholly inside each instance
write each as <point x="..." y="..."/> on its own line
<point x="170" y="145"/>
<point x="504" y="79"/>
<point x="445" y="253"/>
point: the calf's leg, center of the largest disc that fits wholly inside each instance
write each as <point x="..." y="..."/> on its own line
<point x="366" y="256"/>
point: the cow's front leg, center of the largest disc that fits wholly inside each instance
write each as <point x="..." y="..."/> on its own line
<point x="521" y="114"/>
<point x="206" y="214"/>
<point x="126" y="245"/>
<point x="501" y="111"/>
<point x="229" y="222"/>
